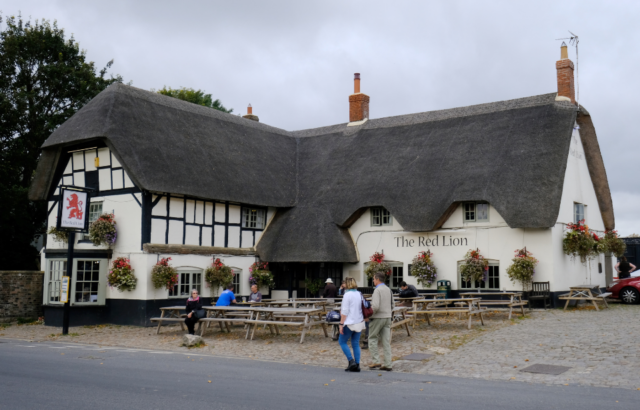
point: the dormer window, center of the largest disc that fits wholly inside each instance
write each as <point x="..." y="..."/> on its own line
<point x="476" y="212"/>
<point x="253" y="218"/>
<point x="381" y="217"/>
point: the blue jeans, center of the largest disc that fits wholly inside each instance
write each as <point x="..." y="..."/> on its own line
<point x="355" y="343"/>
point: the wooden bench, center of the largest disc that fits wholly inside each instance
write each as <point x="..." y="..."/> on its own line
<point x="434" y="306"/>
<point x="540" y="291"/>
<point x="170" y="314"/>
<point x="272" y="317"/>
<point x="515" y="300"/>
<point x="585" y="293"/>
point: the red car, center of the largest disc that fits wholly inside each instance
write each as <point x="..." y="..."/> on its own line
<point x="627" y="290"/>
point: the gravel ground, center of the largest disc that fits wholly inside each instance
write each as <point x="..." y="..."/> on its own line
<point x="601" y="348"/>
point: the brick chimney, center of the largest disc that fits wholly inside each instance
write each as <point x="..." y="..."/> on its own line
<point x="249" y="115"/>
<point x="564" y="66"/>
<point x="358" y="102"/>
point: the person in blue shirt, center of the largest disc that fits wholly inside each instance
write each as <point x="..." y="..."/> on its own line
<point x="227" y="297"/>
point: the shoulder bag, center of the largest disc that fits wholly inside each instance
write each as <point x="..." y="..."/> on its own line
<point x="367" y="310"/>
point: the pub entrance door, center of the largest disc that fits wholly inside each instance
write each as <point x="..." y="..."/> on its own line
<point x="290" y="276"/>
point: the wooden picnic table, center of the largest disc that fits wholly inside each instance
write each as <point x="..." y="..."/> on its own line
<point x="170" y="314"/>
<point x="588" y="293"/>
<point x="433" y="306"/>
<point x="297" y="303"/>
<point x="286" y="316"/>
<point x="227" y="314"/>
<point x="515" y="300"/>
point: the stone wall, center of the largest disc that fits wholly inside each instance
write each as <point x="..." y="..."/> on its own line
<point x="20" y="294"/>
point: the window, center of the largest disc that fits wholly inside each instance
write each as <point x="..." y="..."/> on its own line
<point x="95" y="210"/>
<point x="578" y="212"/>
<point x="396" y="276"/>
<point x="492" y="282"/>
<point x="476" y="212"/>
<point x="380" y="217"/>
<point x="87" y="281"/>
<point x="187" y="280"/>
<point x="236" y="281"/>
<point x="57" y="269"/>
<point x="253" y="218"/>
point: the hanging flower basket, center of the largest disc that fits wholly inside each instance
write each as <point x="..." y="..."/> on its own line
<point x="163" y="275"/>
<point x="377" y="265"/>
<point x="522" y="268"/>
<point x="58" y="234"/>
<point x="423" y="268"/>
<point x="579" y="241"/>
<point x="611" y="242"/>
<point x="103" y="230"/>
<point x="121" y="275"/>
<point x="261" y="276"/>
<point x="218" y="275"/>
<point x="475" y="267"/>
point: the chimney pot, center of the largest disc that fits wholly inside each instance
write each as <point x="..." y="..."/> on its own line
<point x="249" y="115"/>
<point x="358" y="102"/>
<point x="564" y="54"/>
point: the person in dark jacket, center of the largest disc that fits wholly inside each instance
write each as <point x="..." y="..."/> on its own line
<point x="408" y="291"/>
<point x="193" y="303"/>
<point x="624" y="268"/>
<point x="330" y="290"/>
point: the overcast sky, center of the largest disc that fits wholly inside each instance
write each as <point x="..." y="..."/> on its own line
<point x="294" y="60"/>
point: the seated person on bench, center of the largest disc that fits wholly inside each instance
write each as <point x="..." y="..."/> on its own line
<point x="255" y="296"/>
<point x="227" y="297"/>
<point x="408" y="291"/>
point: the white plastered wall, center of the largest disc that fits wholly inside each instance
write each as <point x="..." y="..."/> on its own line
<point x="578" y="188"/>
<point x="495" y="240"/>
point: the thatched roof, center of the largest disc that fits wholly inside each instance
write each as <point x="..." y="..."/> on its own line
<point x="512" y="154"/>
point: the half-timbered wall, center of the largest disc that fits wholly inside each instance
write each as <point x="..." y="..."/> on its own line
<point x="189" y="221"/>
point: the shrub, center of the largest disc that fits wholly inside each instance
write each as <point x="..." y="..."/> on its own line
<point x="377" y="265"/>
<point x="523" y="267"/>
<point x="423" y="268"/>
<point x="103" y="230"/>
<point x="58" y="235"/>
<point x="163" y="275"/>
<point x="218" y="274"/>
<point x="121" y="275"/>
<point x="611" y="242"/>
<point x="578" y="241"/>
<point x="261" y="275"/>
<point x="475" y="267"/>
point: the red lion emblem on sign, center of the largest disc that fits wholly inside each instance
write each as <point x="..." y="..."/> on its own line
<point x="75" y="206"/>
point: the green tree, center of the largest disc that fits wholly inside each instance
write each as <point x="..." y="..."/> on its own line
<point x="44" y="80"/>
<point x="195" y="96"/>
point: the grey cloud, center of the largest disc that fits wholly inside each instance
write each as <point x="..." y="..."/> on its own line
<point x="294" y="61"/>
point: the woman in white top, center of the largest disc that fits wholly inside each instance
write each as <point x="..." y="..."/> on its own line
<point x="351" y="324"/>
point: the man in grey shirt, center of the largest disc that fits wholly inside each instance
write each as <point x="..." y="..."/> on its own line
<point x="380" y="323"/>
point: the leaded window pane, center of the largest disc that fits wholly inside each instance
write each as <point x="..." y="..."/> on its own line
<point x="482" y="212"/>
<point x="57" y="269"/>
<point x="87" y="281"/>
<point x="469" y="211"/>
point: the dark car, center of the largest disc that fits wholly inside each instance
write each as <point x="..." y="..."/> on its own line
<point x="627" y="290"/>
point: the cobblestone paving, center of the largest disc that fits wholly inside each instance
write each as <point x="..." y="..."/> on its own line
<point x="602" y="348"/>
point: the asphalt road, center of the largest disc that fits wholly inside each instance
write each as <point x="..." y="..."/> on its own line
<point x="69" y="376"/>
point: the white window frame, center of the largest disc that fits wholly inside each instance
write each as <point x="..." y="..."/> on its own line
<point x="577" y="207"/>
<point x="237" y="281"/>
<point x="102" y="282"/>
<point x="380" y="216"/>
<point x="193" y="277"/>
<point x="395" y="267"/>
<point x="53" y="283"/>
<point x="470" y="211"/>
<point x="91" y="219"/>
<point x="485" y="285"/>
<point x="253" y="218"/>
